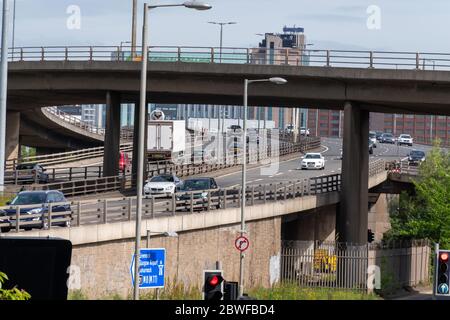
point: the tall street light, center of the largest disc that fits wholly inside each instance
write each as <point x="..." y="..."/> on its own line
<point x="221" y="24"/>
<point x="3" y="90"/>
<point x="197" y="5"/>
<point x="133" y="30"/>
<point x="275" y="80"/>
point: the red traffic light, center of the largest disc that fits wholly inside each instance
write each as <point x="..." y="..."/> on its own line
<point x="443" y="256"/>
<point x="215" y="280"/>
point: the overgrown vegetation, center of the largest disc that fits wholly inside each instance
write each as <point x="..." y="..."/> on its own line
<point x="426" y="214"/>
<point x="174" y="290"/>
<point x="11" y="294"/>
<point x="27" y="152"/>
<point x="294" y="292"/>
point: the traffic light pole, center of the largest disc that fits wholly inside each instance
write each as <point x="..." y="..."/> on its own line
<point x="436" y="259"/>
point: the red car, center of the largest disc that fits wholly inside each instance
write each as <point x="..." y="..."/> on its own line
<point x="124" y="161"/>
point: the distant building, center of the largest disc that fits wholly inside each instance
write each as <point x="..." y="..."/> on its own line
<point x="287" y="48"/>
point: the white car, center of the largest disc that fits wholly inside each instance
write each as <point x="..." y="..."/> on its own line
<point x="162" y="184"/>
<point x="312" y="161"/>
<point x="304" y="131"/>
<point x="405" y="139"/>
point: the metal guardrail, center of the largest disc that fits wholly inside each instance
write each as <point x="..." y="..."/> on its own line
<point x="266" y="56"/>
<point x="70" y="119"/>
<point x="124" y="209"/>
<point x="64" y="157"/>
<point x="87" y="180"/>
<point x="402" y="166"/>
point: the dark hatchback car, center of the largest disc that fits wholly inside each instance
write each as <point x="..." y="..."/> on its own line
<point x="387" y="138"/>
<point x="378" y="135"/>
<point x="416" y="157"/>
<point x="37" y="206"/>
<point x="200" y="188"/>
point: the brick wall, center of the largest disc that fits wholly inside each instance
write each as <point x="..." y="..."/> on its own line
<point x="105" y="267"/>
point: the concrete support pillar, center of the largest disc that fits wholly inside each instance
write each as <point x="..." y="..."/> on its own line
<point x="136" y="146"/>
<point x="112" y="135"/>
<point x="352" y="215"/>
<point x="12" y="148"/>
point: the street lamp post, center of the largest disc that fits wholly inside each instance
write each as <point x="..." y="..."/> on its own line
<point x="221" y="33"/>
<point x="133" y="30"/>
<point x="121" y="48"/>
<point x="166" y="234"/>
<point x="275" y="80"/>
<point x="3" y="90"/>
<point x="143" y="91"/>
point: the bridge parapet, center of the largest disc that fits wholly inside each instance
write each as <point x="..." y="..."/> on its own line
<point x="103" y="211"/>
<point x="285" y="56"/>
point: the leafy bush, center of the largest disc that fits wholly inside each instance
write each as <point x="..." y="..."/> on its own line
<point x="426" y="214"/>
<point x="11" y="294"/>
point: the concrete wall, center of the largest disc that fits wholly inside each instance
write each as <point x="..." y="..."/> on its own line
<point x="379" y="221"/>
<point x="317" y="224"/>
<point x="105" y="267"/>
<point x="12" y="147"/>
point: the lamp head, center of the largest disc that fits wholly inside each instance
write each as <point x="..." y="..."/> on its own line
<point x="278" y="80"/>
<point x="197" y="5"/>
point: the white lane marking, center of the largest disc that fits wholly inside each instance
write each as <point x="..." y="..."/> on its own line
<point x="326" y="149"/>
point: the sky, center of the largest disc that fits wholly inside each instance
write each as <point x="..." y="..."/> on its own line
<point x="394" y="25"/>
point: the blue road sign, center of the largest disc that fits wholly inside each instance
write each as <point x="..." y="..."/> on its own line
<point x="151" y="268"/>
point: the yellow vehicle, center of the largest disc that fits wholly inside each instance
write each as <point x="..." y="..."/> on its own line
<point x="323" y="261"/>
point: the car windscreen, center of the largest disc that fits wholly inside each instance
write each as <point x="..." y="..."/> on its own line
<point x="388" y="135"/>
<point x="162" y="179"/>
<point x="406" y="136"/>
<point x="190" y="185"/>
<point x="372" y="135"/>
<point x="25" y="166"/>
<point x="29" y="198"/>
<point x="312" y="156"/>
<point x="417" y="154"/>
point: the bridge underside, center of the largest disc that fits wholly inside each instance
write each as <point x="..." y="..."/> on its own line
<point x="38" y="84"/>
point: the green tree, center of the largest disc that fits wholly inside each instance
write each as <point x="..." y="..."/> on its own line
<point x="426" y="214"/>
<point x="11" y="294"/>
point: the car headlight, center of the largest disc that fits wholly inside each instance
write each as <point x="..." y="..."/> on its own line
<point x="168" y="188"/>
<point x="204" y="194"/>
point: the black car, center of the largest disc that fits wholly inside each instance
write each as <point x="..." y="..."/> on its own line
<point x="36" y="204"/>
<point x="200" y="189"/>
<point x="387" y="138"/>
<point x="31" y="172"/>
<point x="416" y="157"/>
<point x="378" y="135"/>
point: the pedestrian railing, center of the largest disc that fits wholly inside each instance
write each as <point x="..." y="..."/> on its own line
<point x="229" y="55"/>
<point x="124" y="209"/>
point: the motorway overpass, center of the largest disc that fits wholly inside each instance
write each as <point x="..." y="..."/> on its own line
<point x="356" y="89"/>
